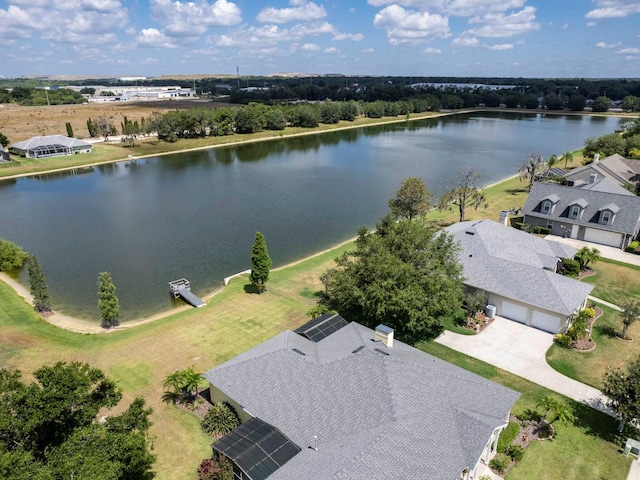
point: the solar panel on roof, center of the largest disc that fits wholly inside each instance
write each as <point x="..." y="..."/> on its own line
<point x="257" y="448"/>
<point x="321" y="327"/>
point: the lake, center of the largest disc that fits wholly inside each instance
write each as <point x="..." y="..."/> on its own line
<point x="195" y="214"/>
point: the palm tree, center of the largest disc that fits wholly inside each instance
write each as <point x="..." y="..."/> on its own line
<point x="172" y="382"/>
<point x="586" y="255"/>
<point x="560" y="409"/>
<point x="548" y="402"/>
<point x="568" y="157"/>
<point x="190" y="381"/>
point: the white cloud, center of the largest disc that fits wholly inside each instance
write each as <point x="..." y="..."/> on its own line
<point x="301" y="11"/>
<point x="497" y="25"/>
<point x="356" y="37"/>
<point x="503" y="46"/>
<point x="627" y="51"/>
<point x="191" y="19"/>
<point x="432" y="51"/>
<point x="152" y="37"/>
<point x="421" y="4"/>
<point x="270" y="35"/>
<point x="565" y="26"/>
<point x="607" y="45"/>
<point x="465" y="42"/>
<point x="310" y="47"/>
<point x="367" y="50"/>
<point x="83" y="22"/>
<point x="613" y="9"/>
<point x="409" y="27"/>
<point x="330" y="50"/>
<point x="591" y="24"/>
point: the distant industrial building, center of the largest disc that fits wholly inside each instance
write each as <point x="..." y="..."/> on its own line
<point x="133" y="92"/>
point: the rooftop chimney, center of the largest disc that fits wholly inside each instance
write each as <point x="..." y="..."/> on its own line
<point x="593" y="177"/>
<point x="596" y="157"/>
<point x="384" y="334"/>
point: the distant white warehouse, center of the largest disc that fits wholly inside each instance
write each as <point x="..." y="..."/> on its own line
<point x="49" y="146"/>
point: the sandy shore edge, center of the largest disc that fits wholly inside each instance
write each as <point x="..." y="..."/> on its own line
<point x="78" y="325"/>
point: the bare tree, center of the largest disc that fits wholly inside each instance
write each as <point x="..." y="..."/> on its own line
<point x="464" y="193"/>
<point x="531" y="165"/>
<point x="104" y="126"/>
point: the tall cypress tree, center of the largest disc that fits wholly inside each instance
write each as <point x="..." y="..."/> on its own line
<point x="260" y="263"/>
<point x="39" y="290"/>
<point x="108" y="302"/>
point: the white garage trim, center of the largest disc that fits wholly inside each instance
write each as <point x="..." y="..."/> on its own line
<point x="513" y="311"/>
<point x="545" y="321"/>
<point x="613" y="239"/>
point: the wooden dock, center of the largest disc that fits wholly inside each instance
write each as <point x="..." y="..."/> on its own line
<point x="182" y="289"/>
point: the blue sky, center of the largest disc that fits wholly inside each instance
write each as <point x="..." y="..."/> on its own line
<point x="505" y="38"/>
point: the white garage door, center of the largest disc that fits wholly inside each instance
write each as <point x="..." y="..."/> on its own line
<point x="513" y="311"/>
<point x="600" y="236"/>
<point x="544" y="321"/>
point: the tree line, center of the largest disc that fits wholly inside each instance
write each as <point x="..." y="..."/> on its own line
<point x="30" y="96"/>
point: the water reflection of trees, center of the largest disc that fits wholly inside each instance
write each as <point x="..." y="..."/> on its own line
<point x="63" y="174"/>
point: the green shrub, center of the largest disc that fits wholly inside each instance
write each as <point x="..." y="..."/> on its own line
<point x="570" y="267"/>
<point x="631" y="248"/>
<point x="516" y="221"/>
<point x="500" y="462"/>
<point x="507" y="436"/>
<point x="11" y="256"/>
<point x="220" y="419"/>
<point x="528" y="227"/>
<point x="546" y="431"/>
<point x="563" y="340"/>
<point x="516" y="452"/>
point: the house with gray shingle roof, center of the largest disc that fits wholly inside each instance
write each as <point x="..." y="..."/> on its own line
<point x="49" y="146"/>
<point x="600" y="211"/>
<point x="621" y="170"/>
<point x="518" y="272"/>
<point x="354" y="404"/>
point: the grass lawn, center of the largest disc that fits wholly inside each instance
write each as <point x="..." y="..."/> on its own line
<point x="588" y="449"/>
<point x="615" y="281"/>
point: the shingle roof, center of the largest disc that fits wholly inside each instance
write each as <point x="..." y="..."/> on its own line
<point x="377" y="413"/>
<point x="614" y="166"/>
<point x="512" y="264"/>
<point x="626" y="219"/>
<point x="36" y="142"/>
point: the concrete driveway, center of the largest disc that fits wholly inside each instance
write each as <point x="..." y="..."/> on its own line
<point x="605" y="251"/>
<point x="521" y="350"/>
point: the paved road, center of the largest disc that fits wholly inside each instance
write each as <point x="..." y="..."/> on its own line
<point x="521" y="350"/>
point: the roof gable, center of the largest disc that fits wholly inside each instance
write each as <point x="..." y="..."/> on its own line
<point x="627" y="217"/>
<point x="517" y="265"/>
<point x="377" y="412"/>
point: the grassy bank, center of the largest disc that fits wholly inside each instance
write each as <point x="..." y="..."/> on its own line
<point x="150" y="146"/>
<point x="234" y="321"/>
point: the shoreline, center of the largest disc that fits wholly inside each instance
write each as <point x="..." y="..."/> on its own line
<point x="314" y="131"/>
<point x="236" y="143"/>
<point x="78" y="325"/>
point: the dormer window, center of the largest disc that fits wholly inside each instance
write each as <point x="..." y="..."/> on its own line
<point x="608" y="214"/>
<point x="546" y="206"/>
<point x="575" y="211"/>
<point x="548" y="203"/>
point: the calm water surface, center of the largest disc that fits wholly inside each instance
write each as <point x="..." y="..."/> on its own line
<point x="195" y="214"/>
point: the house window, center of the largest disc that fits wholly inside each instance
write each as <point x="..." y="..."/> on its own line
<point x="546" y="206"/>
<point x="575" y="210"/>
<point x="606" y="217"/>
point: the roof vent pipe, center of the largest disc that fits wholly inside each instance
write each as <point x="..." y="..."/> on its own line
<point x="596" y="157"/>
<point x="593" y="177"/>
<point x="384" y="334"/>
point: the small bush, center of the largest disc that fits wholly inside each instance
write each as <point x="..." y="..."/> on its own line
<point x="500" y="462"/>
<point x="570" y="267"/>
<point x="632" y="247"/>
<point x="220" y="419"/>
<point x="507" y="436"/>
<point x="546" y="431"/>
<point x="516" y="452"/>
<point x="563" y="340"/>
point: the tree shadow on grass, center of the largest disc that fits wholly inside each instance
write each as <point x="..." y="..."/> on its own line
<point x="251" y="288"/>
<point x="515" y="191"/>
<point x="596" y="423"/>
<point x="606" y="330"/>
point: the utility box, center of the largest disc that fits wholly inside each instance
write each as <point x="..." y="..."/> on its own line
<point x="490" y="311"/>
